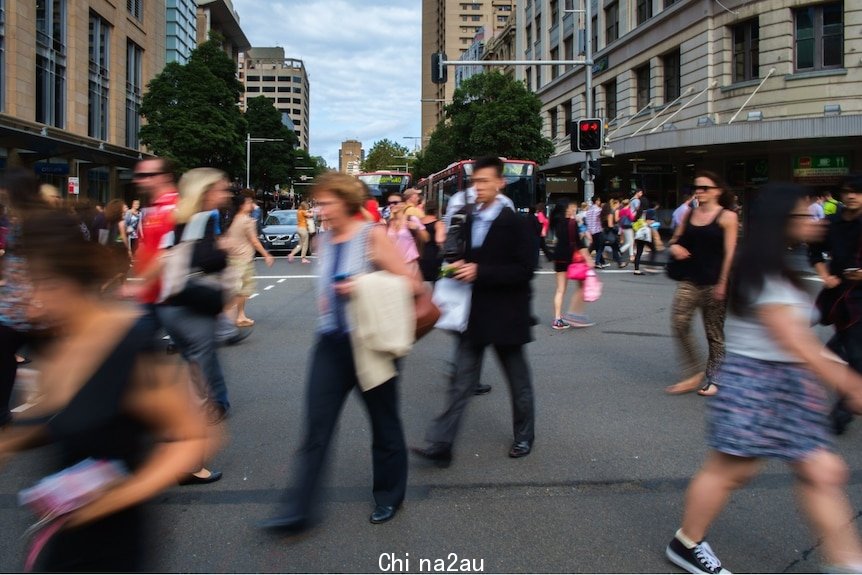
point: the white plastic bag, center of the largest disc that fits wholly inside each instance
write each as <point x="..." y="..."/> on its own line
<point x="453" y="298"/>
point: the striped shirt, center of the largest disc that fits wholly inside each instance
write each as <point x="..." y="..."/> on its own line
<point x="594" y="219"/>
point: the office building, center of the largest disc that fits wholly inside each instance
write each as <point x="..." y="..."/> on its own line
<point x="757" y="91"/>
<point x="267" y="72"/>
<point x="73" y="75"/>
<point x="180" y="30"/>
<point x="450" y="26"/>
<point x="219" y="16"/>
<point x="350" y="157"/>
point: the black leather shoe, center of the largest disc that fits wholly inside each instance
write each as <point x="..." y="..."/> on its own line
<point x="192" y="479"/>
<point x="520" y="449"/>
<point x="290" y="523"/>
<point x="482" y="389"/>
<point x="383" y="513"/>
<point x="438" y="453"/>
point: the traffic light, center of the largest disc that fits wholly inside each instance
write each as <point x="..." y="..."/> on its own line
<point x="588" y="135"/>
<point x="439" y="73"/>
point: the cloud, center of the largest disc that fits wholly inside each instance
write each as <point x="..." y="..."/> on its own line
<point x="363" y="61"/>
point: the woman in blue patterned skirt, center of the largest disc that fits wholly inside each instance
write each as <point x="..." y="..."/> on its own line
<point x="772" y="403"/>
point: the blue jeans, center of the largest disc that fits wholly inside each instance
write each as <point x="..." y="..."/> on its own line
<point x="195" y="337"/>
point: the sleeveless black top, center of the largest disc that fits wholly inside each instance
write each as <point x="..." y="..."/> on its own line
<point x="706" y="245"/>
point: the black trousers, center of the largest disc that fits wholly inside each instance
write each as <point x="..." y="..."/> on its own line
<point x="10" y="342"/>
<point x="468" y="368"/>
<point x="330" y="380"/>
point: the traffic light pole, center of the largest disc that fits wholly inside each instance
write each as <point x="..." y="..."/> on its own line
<point x="589" y="184"/>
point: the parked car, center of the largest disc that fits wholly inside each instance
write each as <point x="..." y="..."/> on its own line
<point x="279" y="231"/>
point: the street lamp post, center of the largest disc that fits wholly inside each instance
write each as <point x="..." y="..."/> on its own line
<point x="248" y="142"/>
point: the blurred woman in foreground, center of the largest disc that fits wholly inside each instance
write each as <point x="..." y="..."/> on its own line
<point x="101" y="399"/>
<point x="772" y="403"/>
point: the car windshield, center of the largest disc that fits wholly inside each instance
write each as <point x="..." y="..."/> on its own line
<point x="281" y="219"/>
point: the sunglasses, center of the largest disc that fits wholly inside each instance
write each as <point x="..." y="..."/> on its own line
<point x="395" y="203"/>
<point x="705" y="188"/>
<point x="142" y="175"/>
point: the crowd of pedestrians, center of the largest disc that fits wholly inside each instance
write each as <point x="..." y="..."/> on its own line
<point x="177" y="266"/>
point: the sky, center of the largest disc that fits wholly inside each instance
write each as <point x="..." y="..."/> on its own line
<point x="363" y="62"/>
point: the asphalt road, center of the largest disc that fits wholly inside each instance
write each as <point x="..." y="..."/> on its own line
<point x="601" y="492"/>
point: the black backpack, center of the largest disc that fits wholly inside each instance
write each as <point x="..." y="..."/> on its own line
<point x="458" y="234"/>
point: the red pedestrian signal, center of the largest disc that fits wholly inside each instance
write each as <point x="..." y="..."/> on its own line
<point x="588" y="136"/>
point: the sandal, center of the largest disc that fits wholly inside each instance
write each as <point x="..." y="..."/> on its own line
<point x="708" y="390"/>
<point x="245" y="323"/>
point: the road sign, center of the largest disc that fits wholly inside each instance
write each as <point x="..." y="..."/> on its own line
<point x="74" y="186"/>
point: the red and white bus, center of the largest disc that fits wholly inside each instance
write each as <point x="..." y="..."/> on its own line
<point x="382" y="183"/>
<point x="521" y="183"/>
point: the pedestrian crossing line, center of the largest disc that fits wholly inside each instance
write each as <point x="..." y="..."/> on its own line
<point x="254" y="295"/>
<point x="286" y="277"/>
<point x="269" y="287"/>
<point x="281" y="281"/>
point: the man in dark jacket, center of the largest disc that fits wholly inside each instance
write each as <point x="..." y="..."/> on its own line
<point x="499" y="264"/>
<point x="842" y="280"/>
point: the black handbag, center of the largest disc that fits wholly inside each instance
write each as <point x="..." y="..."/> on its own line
<point x="677" y="270"/>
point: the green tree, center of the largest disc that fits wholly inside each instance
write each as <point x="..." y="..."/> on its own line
<point x="192" y="113"/>
<point x="384" y="154"/>
<point x="490" y="113"/>
<point x="271" y="162"/>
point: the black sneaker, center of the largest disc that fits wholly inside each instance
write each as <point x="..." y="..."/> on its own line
<point x="701" y="559"/>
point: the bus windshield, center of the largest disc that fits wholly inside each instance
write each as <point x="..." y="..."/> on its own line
<point x="385" y="184"/>
<point x="520" y="182"/>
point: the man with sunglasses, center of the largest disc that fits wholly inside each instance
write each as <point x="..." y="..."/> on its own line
<point x="841" y="300"/>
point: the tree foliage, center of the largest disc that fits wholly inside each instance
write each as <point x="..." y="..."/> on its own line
<point x="384" y="154"/>
<point x="271" y="162"/>
<point x="490" y="113"/>
<point x="192" y="113"/>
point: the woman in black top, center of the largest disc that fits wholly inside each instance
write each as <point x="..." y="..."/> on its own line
<point x="430" y="258"/>
<point x="704" y="243"/>
<point x="102" y="399"/>
<point x="568" y="244"/>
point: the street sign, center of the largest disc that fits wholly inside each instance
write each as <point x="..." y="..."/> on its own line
<point x="74" y="186"/>
<point x="820" y="168"/>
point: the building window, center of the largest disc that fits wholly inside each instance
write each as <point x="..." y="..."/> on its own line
<point x="538" y="27"/>
<point x="567" y="118"/>
<point x="530" y="79"/>
<point x="99" y="77"/>
<point x="284" y="100"/>
<point x="643" y="87"/>
<point x="253" y="78"/>
<point x="269" y="78"/>
<point x="612" y="23"/>
<point x="253" y="89"/>
<point x="555" y="70"/>
<point x="555" y="12"/>
<point x="611" y="106"/>
<point x="269" y="89"/>
<point x="569" y="50"/>
<point x="51" y="62"/>
<point x="644" y="10"/>
<point x="538" y="77"/>
<point x="284" y="89"/>
<point x="528" y="33"/>
<point x="552" y="116"/>
<point x="136" y="9"/>
<point x="297" y="90"/>
<point x="746" y="51"/>
<point x="134" y="87"/>
<point x="595" y="35"/>
<point x="297" y="100"/>
<point x="669" y="3"/>
<point x="672" y="73"/>
<point x="819" y="35"/>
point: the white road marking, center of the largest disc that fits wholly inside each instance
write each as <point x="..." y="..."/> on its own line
<point x="254" y="295"/>
<point x="269" y="287"/>
<point x="281" y="281"/>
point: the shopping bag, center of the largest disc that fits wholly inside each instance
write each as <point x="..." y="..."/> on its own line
<point x="453" y="298"/>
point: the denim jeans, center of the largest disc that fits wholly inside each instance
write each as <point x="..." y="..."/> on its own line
<point x="195" y="337"/>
